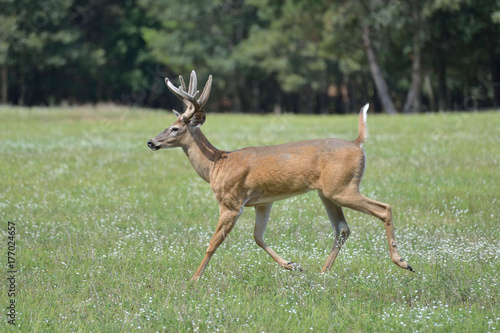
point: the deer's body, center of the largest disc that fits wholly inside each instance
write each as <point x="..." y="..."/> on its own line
<point x="270" y="173"/>
<point x="258" y="176"/>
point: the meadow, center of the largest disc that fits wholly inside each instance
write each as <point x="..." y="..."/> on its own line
<point x="108" y="233"/>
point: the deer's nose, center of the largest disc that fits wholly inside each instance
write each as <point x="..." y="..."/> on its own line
<point x="151" y="144"/>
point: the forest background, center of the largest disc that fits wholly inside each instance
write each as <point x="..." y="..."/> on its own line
<point x="266" y="56"/>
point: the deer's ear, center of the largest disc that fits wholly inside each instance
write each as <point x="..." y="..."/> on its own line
<point x="177" y="114"/>
<point x="198" y="119"/>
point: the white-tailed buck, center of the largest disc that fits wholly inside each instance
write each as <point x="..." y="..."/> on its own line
<point x="258" y="176"/>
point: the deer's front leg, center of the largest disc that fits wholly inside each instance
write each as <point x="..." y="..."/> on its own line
<point x="227" y="220"/>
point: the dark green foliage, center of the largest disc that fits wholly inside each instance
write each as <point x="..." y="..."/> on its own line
<point x="287" y="55"/>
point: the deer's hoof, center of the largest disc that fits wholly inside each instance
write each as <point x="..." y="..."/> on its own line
<point x="293" y="266"/>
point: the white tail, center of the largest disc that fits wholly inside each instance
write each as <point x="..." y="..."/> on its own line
<point x="363" y="130"/>
<point x="258" y="176"/>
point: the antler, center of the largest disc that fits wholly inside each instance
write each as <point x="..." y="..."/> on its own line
<point x="189" y="98"/>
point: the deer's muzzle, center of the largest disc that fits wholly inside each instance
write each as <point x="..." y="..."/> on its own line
<point x="153" y="145"/>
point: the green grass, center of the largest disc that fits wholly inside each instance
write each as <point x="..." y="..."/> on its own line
<point x="109" y="233"/>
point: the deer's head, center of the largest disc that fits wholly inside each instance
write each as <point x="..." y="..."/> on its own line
<point x="177" y="134"/>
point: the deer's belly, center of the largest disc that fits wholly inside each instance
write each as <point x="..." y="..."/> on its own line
<point x="271" y="197"/>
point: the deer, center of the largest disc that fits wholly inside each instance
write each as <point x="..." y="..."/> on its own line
<point x="259" y="176"/>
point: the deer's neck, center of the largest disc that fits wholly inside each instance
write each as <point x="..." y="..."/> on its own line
<point x="201" y="153"/>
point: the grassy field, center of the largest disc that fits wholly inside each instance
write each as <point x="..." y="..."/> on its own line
<point x="108" y="233"/>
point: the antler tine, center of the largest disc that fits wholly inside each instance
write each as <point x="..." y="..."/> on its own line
<point x="206" y="92"/>
<point x="176" y="91"/>
<point x="188" y="96"/>
<point x="183" y="85"/>
<point x="193" y="83"/>
<point x="171" y="87"/>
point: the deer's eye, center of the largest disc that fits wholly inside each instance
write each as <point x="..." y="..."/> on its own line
<point x="174" y="129"/>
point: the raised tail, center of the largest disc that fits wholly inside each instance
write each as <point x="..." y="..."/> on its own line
<point x="363" y="130"/>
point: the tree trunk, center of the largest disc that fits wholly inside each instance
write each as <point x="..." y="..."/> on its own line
<point x="378" y="78"/>
<point x="5" y="84"/>
<point x="430" y="91"/>
<point x="376" y="101"/>
<point x="414" y="97"/>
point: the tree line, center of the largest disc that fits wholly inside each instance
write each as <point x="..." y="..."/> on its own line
<point x="266" y="56"/>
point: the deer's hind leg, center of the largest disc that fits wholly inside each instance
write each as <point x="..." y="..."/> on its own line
<point x="340" y="227"/>
<point x="351" y="198"/>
